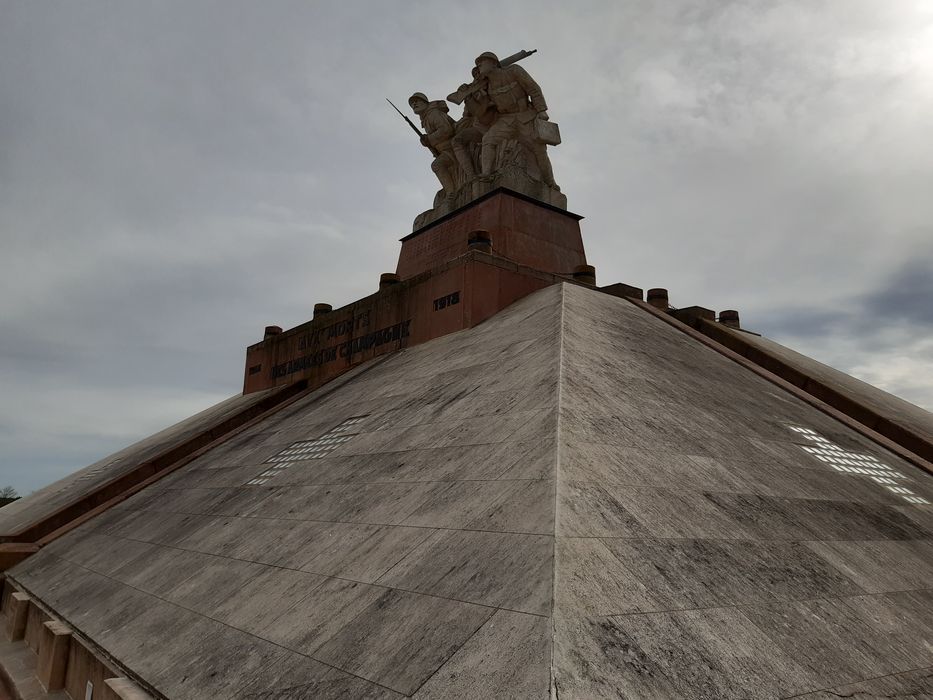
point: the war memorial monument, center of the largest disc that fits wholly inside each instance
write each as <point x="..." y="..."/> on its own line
<point x="492" y="478"/>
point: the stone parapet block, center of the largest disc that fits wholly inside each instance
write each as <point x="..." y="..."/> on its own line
<point x="658" y="298"/>
<point x="17" y="616"/>
<point x="620" y="289"/>
<point x="585" y="274"/>
<point x="35" y="618"/>
<point x="54" y="648"/>
<point x="729" y="317"/>
<point x="689" y="313"/>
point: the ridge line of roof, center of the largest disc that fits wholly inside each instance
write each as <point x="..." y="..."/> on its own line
<point x="552" y="677"/>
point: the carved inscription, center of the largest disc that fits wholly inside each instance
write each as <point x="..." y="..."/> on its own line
<point x="343" y="350"/>
<point x="334" y="330"/>
<point x="449" y="300"/>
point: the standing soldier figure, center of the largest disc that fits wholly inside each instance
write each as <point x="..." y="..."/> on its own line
<point x="519" y="102"/>
<point x="438" y="132"/>
<point x="478" y="115"/>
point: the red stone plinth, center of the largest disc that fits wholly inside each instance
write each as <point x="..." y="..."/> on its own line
<point x="453" y="296"/>
<point x="442" y="285"/>
<point x="522" y="229"/>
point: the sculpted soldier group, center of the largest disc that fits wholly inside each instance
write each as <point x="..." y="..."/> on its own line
<point x="504" y="126"/>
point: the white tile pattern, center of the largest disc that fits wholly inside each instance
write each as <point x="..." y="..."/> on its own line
<point x="309" y="449"/>
<point x="856" y="463"/>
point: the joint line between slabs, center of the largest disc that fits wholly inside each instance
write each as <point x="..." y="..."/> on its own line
<point x="864" y="680"/>
<point x="739" y="606"/>
<point x="335" y="522"/>
<point x="288" y="568"/>
<point x="731" y="539"/>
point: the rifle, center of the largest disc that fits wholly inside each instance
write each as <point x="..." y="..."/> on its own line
<point x="434" y="151"/>
<point x="460" y="95"/>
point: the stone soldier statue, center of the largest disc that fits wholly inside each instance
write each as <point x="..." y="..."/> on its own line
<point x="479" y="113"/>
<point x="519" y="102"/>
<point x="438" y="131"/>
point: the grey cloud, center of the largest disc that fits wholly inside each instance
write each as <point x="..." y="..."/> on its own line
<point x="907" y="296"/>
<point x="904" y="299"/>
<point x="804" y="322"/>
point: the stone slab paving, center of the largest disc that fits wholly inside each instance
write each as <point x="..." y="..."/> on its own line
<point x="571" y="500"/>
<point x="704" y="547"/>
<point x="417" y="537"/>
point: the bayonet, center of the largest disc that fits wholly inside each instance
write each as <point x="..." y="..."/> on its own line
<point x="412" y="125"/>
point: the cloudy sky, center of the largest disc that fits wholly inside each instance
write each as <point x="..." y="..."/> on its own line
<point x="174" y="176"/>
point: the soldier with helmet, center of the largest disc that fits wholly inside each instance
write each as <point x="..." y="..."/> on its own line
<point x="478" y="115"/>
<point x="519" y="102"/>
<point x="438" y="131"/>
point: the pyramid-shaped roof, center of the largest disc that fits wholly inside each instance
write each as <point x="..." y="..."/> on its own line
<point x="572" y="499"/>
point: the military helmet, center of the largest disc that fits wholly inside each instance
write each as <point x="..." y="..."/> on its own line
<point x="418" y="96"/>
<point x="487" y="54"/>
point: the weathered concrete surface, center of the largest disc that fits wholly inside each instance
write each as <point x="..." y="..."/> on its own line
<point x="573" y="498"/>
<point x="416" y="549"/>
<point x="702" y="552"/>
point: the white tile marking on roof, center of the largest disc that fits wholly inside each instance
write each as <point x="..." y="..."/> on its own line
<point x="855" y="463"/>
<point x="309" y="449"/>
<point x="918" y="500"/>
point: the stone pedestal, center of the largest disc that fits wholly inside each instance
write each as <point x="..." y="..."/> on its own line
<point x="508" y="178"/>
<point x="522" y="229"/>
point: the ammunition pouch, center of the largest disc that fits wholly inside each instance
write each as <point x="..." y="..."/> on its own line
<point x="547" y="132"/>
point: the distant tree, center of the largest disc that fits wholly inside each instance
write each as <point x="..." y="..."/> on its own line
<point x="8" y="493"/>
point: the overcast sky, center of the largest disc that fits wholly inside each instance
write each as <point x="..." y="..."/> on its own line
<point x="174" y="176"/>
